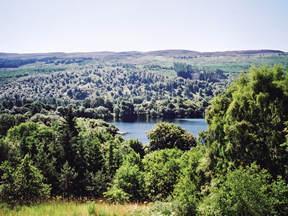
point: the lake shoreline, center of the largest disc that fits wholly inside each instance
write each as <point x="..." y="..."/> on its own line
<point x="138" y="129"/>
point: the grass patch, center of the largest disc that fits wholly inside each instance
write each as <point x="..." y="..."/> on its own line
<point x="74" y="208"/>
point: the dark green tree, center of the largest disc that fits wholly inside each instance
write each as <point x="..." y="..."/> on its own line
<point x="6" y="122"/>
<point x="137" y="146"/>
<point x="127" y="112"/>
<point x="68" y="131"/>
<point x="183" y="70"/>
<point x="67" y="180"/>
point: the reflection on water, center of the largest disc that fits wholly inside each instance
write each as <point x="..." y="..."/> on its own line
<point x="138" y="129"/>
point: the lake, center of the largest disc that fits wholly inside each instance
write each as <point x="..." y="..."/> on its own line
<point x="138" y="129"/>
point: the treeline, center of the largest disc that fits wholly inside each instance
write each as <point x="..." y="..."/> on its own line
<point x="120" y="92"/>
<point x="18" y="62"/>
<point x="186" y="71"/>
<point x="58" y="155"/>
<point x="238" y="167"/>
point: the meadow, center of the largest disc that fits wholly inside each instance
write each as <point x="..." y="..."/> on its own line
<point x="76" y="208"/>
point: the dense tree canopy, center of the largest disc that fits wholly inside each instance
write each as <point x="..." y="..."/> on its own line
<point x="25" y="184"/>
<point x="238" y="167"/>
<point x="247" y="123"/>
<point x="74" y="156"/>
<point x="122" y="91"/>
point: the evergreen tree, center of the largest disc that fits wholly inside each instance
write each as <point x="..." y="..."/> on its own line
<point x="23" y="185"/>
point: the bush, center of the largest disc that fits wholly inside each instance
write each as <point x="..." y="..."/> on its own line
<point x="161" y="172"/>
<point x="168" y="135"/>
<point x="163" y="209"/>
<point x="128" y="179"/>
<point x="117" y="195"/>
<point x="246" y="191"/>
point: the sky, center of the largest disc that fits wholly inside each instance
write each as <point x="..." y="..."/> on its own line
<point x="28" y="26"/>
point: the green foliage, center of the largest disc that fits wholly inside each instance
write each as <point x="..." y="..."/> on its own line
<point x="92" y="209"/>
<point x="40" y="142"/>
<point x="279" y="199"/>
<point x="4" y="150"/>
<point x="100" y="90"/>
<point x="163" y="209"/>
<point x="167" y="135"/>
<point x="194" y="173"/>
<point x="6" y="122"/>
<point x="161" y="172"/>
<point x="183" y="70"/>
<point x="25" y="184"/>
<point x="128" y="179"/>
<point x="125" y="111"/>
<point x="94" y="150"/>
<point x="78" y="157"/>
<point x="66" y="179"/>
<point x="137" y="146"/>
<point x="117" y="195"/>
<point x="247" y="122"/>
<point x="246" y="191"/>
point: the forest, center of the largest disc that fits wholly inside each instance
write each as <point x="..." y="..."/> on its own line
<point x="126" y="85"/>
<point x="55" y="148"/>
<point x="119" y="91"/>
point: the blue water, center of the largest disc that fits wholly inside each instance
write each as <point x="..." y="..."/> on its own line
<point x="138" y="129"/>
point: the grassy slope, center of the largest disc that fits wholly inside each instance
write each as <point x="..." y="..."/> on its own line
<point x="64" y="208"/>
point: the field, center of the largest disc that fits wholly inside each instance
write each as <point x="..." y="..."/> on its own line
<point x="73" y="208"/>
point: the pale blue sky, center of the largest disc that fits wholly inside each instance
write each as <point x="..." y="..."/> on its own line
<point x="122" y="25"/>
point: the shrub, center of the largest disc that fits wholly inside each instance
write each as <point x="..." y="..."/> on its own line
<point x="246" y="191"/>
<point x="163" y="209"/>
<point x="116" y="195"/>
<point x="168" y="135"/>
<point x="161" y="172"/>
<point x="128" y="179"/>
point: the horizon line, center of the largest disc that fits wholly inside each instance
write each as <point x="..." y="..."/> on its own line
<point x="142" y="51"/>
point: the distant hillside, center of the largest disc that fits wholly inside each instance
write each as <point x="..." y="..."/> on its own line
<point x="168" y="53"/>
<point x="15" y="65"/>
<point x="161" y="83"/>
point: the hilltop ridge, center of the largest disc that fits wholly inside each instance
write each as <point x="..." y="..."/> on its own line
<point x="168" y="53"/>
